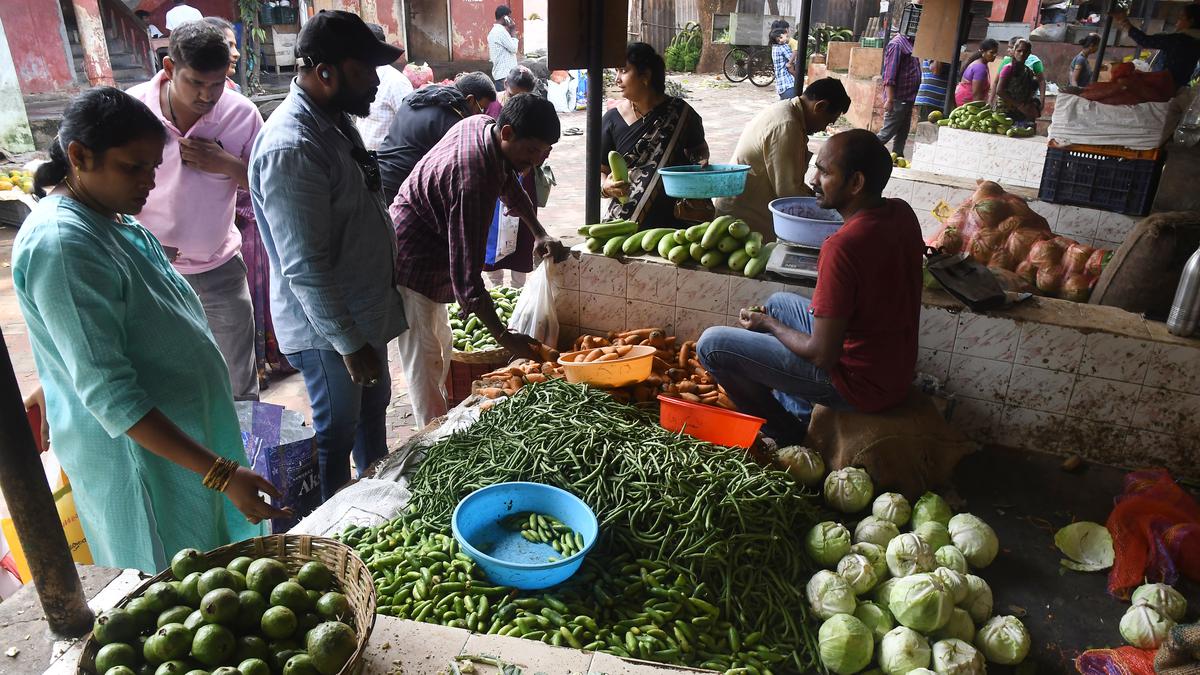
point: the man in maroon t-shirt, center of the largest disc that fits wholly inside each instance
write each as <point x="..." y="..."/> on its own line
<point x="854" y="346"/>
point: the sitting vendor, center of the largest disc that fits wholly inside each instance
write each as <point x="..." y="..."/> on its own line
<point x="1178" y="52"/>
<point x="1032" y="62"/>
<point x="854" y="345"/>
<point x="775" y="146"/>
<point x="641" y="127"/>
<point x="1017" y="90"/>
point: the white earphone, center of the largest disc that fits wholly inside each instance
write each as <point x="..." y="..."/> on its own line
<point x="325" y="74"/>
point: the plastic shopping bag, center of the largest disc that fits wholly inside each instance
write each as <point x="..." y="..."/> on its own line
<point x="534" y="314"/>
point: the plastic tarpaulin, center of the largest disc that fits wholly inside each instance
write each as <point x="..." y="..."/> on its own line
<point x="1079" y="121"/>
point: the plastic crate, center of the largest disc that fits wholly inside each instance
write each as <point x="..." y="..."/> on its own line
<point x="1097" y="180"/>
<point x="875" y="42"/>
<point x="910" y="17"/>
<point x="1111" y="150"/>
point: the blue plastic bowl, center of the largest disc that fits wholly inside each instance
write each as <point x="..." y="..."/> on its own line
<point x="510" y="559"/>
<point x="696" y="182"/>
<point x="800" y="221"/>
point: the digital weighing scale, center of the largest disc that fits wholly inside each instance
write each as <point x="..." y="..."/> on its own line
<point x="793" y="260"/>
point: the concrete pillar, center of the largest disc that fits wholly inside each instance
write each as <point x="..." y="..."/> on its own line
<point x="95" y="47"/>
<point x="15" y="137"/>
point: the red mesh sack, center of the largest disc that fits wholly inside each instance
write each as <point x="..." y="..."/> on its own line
<point x="1155" y="527"/>
<point x="1132" y="88"/>
<point x="1119" y="661"/>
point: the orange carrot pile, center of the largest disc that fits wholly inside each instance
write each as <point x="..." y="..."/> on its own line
<point x="676" y="373"/>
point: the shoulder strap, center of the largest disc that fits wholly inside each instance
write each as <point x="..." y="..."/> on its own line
<point x="643" y="206"/>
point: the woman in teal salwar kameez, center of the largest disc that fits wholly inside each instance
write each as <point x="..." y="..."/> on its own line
<point x="137" y="396"/>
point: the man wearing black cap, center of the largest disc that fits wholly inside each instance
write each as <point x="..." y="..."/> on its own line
<point x="317" y="198"/>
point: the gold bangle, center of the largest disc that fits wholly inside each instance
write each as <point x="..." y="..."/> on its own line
<point x="220" y="474"/>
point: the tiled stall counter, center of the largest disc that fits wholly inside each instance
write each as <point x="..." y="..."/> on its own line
<point x="1049" y="374"/>
<point x="970" y="154"/>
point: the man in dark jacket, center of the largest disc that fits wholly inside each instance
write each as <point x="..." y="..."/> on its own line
<point x="1178" y="52"/>
<point x="423" y="118"/>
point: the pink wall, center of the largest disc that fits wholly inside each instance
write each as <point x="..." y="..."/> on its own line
<point x="35" y="38"/>
<point x="473" y="19"/>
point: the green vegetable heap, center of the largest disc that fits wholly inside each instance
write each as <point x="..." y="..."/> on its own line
<point x="698" y="560"/>
<point x="470" y="335"/>
<point x="976" y="116"/>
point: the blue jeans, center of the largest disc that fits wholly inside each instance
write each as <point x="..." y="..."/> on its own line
<point x="766" y="379"/>
<point x="788" y="93"/>
<point x="347" y="418"/>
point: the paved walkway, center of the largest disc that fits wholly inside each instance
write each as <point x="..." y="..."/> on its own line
<point x="725" y="108"/>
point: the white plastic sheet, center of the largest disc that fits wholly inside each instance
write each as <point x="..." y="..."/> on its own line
<point x="1142" y="127"/>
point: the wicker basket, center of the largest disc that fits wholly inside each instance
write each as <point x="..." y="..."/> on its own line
<point x="293" y="550"/>
<point x="490" y="357"/>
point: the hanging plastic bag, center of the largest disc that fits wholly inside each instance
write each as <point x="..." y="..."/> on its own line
<point x="534" y="314"/>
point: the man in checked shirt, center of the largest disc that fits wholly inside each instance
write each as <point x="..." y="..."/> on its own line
<point x="901" y="80"/>
<point x="442" y="215"/>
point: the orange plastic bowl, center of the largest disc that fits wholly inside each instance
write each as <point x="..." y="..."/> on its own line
<point x="708" y="423"/>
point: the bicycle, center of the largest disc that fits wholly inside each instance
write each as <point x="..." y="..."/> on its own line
<point x="750" y="63"/>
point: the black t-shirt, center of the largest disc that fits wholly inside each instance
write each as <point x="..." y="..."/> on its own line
<point x="613" y="130"/>
<point x="412" y="134"/>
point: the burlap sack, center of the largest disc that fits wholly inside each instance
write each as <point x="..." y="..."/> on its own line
<point x="909" y="449"/>
<point x="1142" y="275"/>
<point x="1180" y="654"/>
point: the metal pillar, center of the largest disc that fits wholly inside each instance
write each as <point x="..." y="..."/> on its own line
<point x="964" y="27"/>
<point x="1108" y="21"/>
<point x="595" y="103"/>
<point x="96" y="62"/>
<point x="802" y="45"/>
<point x="34" y="514"/>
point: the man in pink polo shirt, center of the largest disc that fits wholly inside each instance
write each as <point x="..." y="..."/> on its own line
<point x="210" y="133"/>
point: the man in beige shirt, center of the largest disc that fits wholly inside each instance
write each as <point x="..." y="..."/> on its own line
<point x="775" y="146"/>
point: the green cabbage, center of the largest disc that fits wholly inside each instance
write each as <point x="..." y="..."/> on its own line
<point x="1003" y="640"/>
<point x="1144" y="627"/>
<point x="978" y="602"/>
<point x="934" y="533"/>
<point x="874" y="530"/>
<point x="883" y="592"/>
<point x="827" y="543"/>
<point x="857" y="571"/>
<point x="920" y="602"/>
<point x="848" y="490"/>
<point x="845" y="644"/>
<point x="955" y="657"/>
<point x="876" y="618"/>
<point x="1089" y="547"/>
<point x="951" y="557"/>
<point x="909" y="554"/>
<point x="829" y="594"/>
<point x="892" y="507"/>
<point x="955" y="583"/>
<point x="959" y="627"/>
<point x="876" y="554"/>
<point x="975" y="539"/>
<point x="1168" y="601"/>
<point x="930" y="507"/>
<point x="804" y="464"/>
<point x="903" y="650"/>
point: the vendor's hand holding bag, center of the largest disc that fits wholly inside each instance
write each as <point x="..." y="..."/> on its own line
<point x="535" y="314"/>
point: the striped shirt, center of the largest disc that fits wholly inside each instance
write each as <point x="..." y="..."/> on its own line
<point x="933" y="88"/>
<point x="444" y="210"/>
<point x="780" y="55"/>
<point x="901" y="70"/>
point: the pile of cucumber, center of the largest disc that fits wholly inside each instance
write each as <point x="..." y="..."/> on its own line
<point x="470" y="335"/>
<point x="976" y="116"/>
<point x="725" y="241"/>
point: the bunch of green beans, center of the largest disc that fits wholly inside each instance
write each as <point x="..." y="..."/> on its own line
<point x="540" y="528"/>
<point x="630" y="608"/>
<point x="735" y="526"/>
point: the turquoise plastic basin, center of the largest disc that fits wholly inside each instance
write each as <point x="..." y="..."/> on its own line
<point x="510" y="560"/>
<point x="696" y="182"/>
